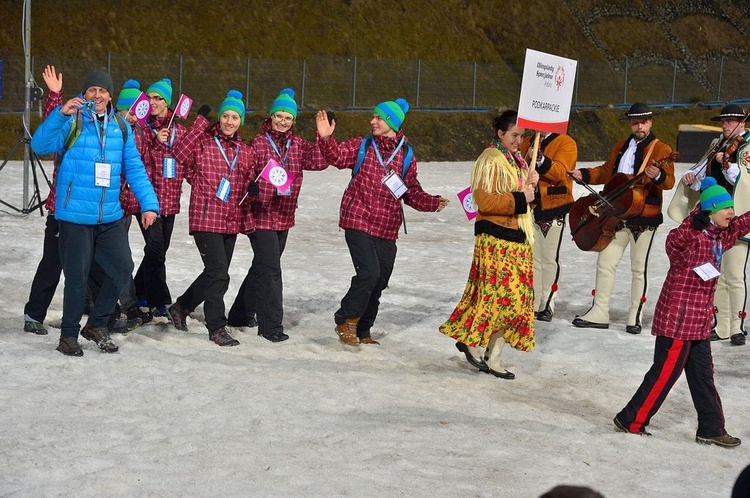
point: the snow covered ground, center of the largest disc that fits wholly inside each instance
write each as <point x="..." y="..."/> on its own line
<point x="172" y="414"/>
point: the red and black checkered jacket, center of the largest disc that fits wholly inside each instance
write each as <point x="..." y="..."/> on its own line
<point x="168" y="190"/>
<point x="128" y="201"/>
<point x="204" y="167"/>
<point x="367" y="204"/>
<point x="270" y="210"/>
<point x="53" y="100"/>
<point x="685" y="307"/>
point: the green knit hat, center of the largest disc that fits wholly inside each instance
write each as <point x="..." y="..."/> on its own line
<point x="285" y="103"/>
<point x="233" y="102"/>
<point x="392" y="112"/>
<point x="714" y="197"/>
<point x="163" y="88"/>
<point x="130" y="92"/>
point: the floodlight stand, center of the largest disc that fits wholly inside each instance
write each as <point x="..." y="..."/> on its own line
<point x="30" y="159"/>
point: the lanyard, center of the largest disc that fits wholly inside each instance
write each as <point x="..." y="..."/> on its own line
<point x="276" y="149"/>
<point x="390" y="159"/>
<point x="224" y="155"/>
<point x="717" y="249"/>
<point x="169" y="143"/>
<point x="101" y="131"/>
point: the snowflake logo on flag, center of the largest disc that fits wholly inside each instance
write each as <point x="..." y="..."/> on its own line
<point x="184" y="108"/>
<point x="468" y="204"/>
<point x="277" y="176"/>
<point x="142" y="109"/>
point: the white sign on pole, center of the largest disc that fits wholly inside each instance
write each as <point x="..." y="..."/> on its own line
<point x="546" y="92"/>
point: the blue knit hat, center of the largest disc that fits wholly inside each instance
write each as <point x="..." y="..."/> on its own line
<point x="130" y="92"/>
<point x="392" y="112"/>
<point x="233" y="102"/>
<point x="285" y="103"/>
<point x="163" y="88"/>
<point x="714" y="197"/>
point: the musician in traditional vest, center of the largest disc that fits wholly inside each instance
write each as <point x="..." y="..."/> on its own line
<point x="631" y="156"/>
<point x="728" y="161"/>
<point x="557" y="156"/>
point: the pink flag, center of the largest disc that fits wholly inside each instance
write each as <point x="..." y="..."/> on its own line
<point x="467" y="202"/>
<point x="277" y="175"/>
<point x="141" y="108"/>
<point x="183" y="106"/>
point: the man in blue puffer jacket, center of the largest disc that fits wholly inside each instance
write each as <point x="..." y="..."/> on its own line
<point x="88" y="207"/>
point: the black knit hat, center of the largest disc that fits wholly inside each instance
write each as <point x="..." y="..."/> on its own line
<point x="730" y="111"/>
<point x="639" y="110"/>
<point x="100" y="79"/>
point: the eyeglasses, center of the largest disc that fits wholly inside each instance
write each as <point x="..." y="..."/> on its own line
<point x="283" y="119"/>
<point x="156" y="98"/>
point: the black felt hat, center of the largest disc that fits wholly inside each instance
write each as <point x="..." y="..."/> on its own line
<point x="639" y="110"/>
<point x="730" y="111"/>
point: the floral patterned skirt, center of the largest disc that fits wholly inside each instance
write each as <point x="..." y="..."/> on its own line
<point x="499" y="296"/>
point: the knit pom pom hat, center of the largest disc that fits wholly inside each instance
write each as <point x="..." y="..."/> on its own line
<point x="233" y="102"/>
<point x="392" y="112"/>
<point x="163" y="88"/>
<point x="285" y="103"/>
<point x="130" y="92"/>
<point x="714" y="197"/>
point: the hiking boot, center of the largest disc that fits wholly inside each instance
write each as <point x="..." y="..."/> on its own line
<point x="621" y="427"/>
<point x="737" y="339"/>
<point x="160" y="310"/>
<point x="347" y="332"/>
<point x="725" y="441"/>
<point x="69" y="346"/>
<point x="178" y="316"/>
<point x="250" y="322"/>
<point x="222" y="338"/>
<point x="137" y="312"/>
<point x="277" y="337"/>
<point x="99" y="335"/>
<point x="122" y="325"/>
<point x="34" y="327"/>
<point x="368" y="340"/>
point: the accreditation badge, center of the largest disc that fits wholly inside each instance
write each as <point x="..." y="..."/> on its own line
<point x="224" y="189"/>
<point x="170" y="167"/>
<point x="101" y="174"/>
<point x="394" y="184"/>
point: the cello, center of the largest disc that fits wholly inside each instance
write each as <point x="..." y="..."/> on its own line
<point x="594" y="218"/>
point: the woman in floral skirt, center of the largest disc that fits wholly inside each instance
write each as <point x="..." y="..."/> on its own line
<point x="497" y="306"/>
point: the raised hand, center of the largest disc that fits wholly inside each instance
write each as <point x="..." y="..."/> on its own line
<point x="52" y="79"/>
<point x="325" y="129"/>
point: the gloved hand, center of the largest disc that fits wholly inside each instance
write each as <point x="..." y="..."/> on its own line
<point x="253" y="189"/>
<point x="701" y="220"/>
<point x="204" y="111"/>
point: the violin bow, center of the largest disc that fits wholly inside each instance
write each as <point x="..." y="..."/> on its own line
<point x="588" y="187"/>
<point x="717" y="147"/>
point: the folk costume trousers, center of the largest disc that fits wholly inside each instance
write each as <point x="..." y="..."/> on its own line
<point x="547" y="264"/>
<point x="216" y="250"/>
<point x="671" y="357"/>
<point x="731" y="291"/>
<point x="606" y="266"/>
<point x="261" y="293"/>
<point x="373" y="260"/>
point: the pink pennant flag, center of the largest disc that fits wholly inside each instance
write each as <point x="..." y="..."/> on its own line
<point x="183" y="106"/>
<point x="467" y="202"/>
<point x="141" y="108"/>
<point x="277" y="175"/>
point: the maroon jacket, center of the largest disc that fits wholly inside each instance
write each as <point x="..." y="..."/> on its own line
<point x="128" y="201"/>
<point x="367" y="205"/>
<point x="270" y="210"/>
<point x="168" y="190"/>
<point x="53" y="100"/>
<point x="685" y="307"/>
<point x="204" y="167"/>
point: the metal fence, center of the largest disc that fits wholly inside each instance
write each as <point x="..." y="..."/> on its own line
<point x="356" y="83"/>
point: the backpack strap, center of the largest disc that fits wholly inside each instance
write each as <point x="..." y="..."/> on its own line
<point x="407" y="161"/>
<point x="363" y="150"/>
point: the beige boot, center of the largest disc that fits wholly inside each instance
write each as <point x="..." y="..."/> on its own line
<point x="492" y="357"/>
<point x="347" y="332"/>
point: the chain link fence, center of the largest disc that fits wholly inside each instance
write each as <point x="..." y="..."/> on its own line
<point x="355" y="83"/>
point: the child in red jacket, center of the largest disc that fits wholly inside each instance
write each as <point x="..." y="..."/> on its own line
<point x="683" y="318"/>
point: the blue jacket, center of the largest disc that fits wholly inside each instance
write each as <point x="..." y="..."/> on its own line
<point x="79" y="200"/>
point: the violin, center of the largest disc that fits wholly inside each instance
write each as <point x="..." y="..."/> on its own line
<point x="594" y="218"/>
<point x="731" y="149"/>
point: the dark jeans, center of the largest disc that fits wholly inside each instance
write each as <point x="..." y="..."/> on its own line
<point x="47" y="274"/>
<point x="97" y="275"/>
<point x="671" y="357"/>
<point x="216" y="250"/>
<point x="80" y="245"/>
<point x="261" y="293"/>
<point x="151" y="277"/>
<point x="373" y="260"/>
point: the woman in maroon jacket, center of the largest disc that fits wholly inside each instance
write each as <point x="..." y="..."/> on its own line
<point x="683" y="317"/>
<point x="218" y="167"/>
<point x="261" y="293"/>
<point x="371" y="210"/>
